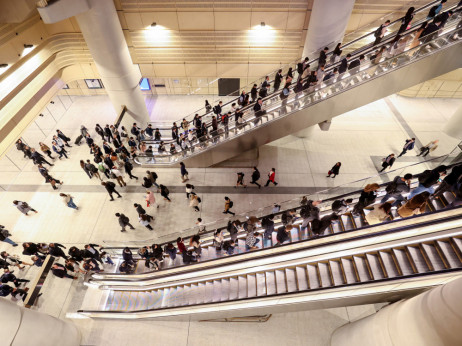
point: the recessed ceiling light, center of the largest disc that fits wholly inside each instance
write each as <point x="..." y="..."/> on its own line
<point x="153" y="25"/>
<point x="262" y="24"/>
<point x="3" y="65"/>
<point x="28" y="45"/>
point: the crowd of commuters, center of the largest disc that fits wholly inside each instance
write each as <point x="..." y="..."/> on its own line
<point x="301" y="80"/>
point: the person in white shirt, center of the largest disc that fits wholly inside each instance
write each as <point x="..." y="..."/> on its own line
<point x="118" y="176"/>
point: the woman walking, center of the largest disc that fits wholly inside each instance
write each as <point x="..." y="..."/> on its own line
<point x="144" y="220"/>
<point x="164" y="192"/>
<point x="194" y="201"/>
<point x="334" y="170"/>
<point x="184" y="172"/>
<point x="150" y="199"/>
<point x="68" y="200"/>
<point x="23" y="207"/>
<point x="46" y="149"/>
<point x="82" y="165"/>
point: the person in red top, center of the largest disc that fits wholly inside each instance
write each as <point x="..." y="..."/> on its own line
<point x="271" y="177"/>
<point x="180" y="244"/>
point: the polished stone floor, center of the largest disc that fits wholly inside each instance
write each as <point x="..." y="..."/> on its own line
<point x="359" y="139"/>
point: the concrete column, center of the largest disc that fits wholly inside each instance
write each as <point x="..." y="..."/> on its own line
<point x="431" y="318"/>
<point x="328" y="22"/>
<point x="20" y="326"/>
<point x="453" y="126"/>
<point x="103" y="34"/>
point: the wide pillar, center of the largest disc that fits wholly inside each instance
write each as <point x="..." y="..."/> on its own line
<point x="20" y="327"/>
<point x="100" y="26"/>
<point x="328" y="22"/>
<point x="453" y="126"/>
<point x="431" y="318"/>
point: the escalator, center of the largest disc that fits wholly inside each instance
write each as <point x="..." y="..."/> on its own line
<point x="376" y="272"/>
<point x="373" y="80"/>
<point x="348" y="225"/>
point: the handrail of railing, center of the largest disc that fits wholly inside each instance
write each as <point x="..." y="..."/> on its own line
<point x="421" y="9"/>
<point x="335" y="87"/>
<point x="296" y="201"/>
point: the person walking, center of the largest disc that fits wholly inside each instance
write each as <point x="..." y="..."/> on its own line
<point x="388" y="162"/>
<point x="334" y="170"/>
<point x="68" y="200"/>
<point x="100" y="131"/>
<point x="103" y="167"/>
<point x="183" y="172"/>
<point x="82" y="165"/>
<point x="23" y="207"/>
<point x="164" y="192"/>
<point x="144" y="220"/>
<point x="124" y="221"/>
<point x="118" y="176"/>
<point x="409" y="145"/>
<point x="93" y="170"/>
<point x="4" y="236"/>
<point x="153" y="177"/>
<point x="64" y="138"/>
<point x="406" y="20"/>
<point x="255" y="177"/>
<point x="110" y="188"/>
<point x="38" y="158"/>
<point x="367" y="197"/>
<point x="55" y="249"/>
<point x="129" y="168"/>
<point x="380" y="32"/>
<point x="240" y="180"/>
<point x="425" y="150"/>
<point x="189" y="190"/>
<point x="228" y="205"/>
<point x="271" y="177"/>
<point x="59" y="150"/>
<point x="194" y="201"/>
<point x="141" y="211"/>
<point x="46" y="149"/>
<point x="150" y="199"/>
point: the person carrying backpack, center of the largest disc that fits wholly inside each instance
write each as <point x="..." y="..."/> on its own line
<point x="110" y="188"/>
<point x="435" y="10"/>
<point x="427" y="179"/>
<point x="92" y="169"/>
<point x="124" y="221"/>
<point x="380" y="32"/>
<point x="164" y="192"/>
<point x="240" y="180"/>
<point x="396" y="188"/>
<point x="255" y="177"/>
<point x="228" y="205"/>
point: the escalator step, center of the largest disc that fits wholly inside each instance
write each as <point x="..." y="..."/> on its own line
<point x="165" y="298"/>
<point x="337" y="273"/>
<point x="361" y="266"/>
<point x="437" y="204"/>
<point x="217" y="291"/>
<point x="194" y="294"/>
<point x="349" y="270"/>
<point x="208" y="292"/>
<point x="450" y="254"/>
<point x="389" y="264"/>
<point x="242" y="287"/>
<point x="251" y="285"/>
<point x="291" y="280"/>
<point x="294" y="234"/>
<point x="403" y="261"/>
<point x="336" y="227"/>
<point x="449" y="196"/>
<point x="433" y="256"/>
<point x="225" y="290"/>
<point x="375" y="266"/>
<point x="261" y="284"/>
<point x="324" y="274"/>
<point x="458" y="244"/>
<point x="313" y="276"/>
<point x="418" y="259"/>
<point x="116" y="300"/>
<point x="301" y="278"/>
<point x="270" y="283"/>
<point x="200" y="293"/>
<point x="281" y="286"/>
<point x="346" y="219"/>
<point x="304" y="233"/>
<point x="233" y="288"/>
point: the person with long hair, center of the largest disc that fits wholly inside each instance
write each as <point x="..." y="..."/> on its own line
<point x="366" y="198"/>
<point x="406" y="21"/>
<point x="334" y="170"/>
<point x="379" y="214"/>
<point x="416" y="205"/>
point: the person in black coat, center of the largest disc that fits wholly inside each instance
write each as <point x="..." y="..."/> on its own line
<point x="128" y="169"/>
<point x="30" y="249"/>
<point x="60" y="271"/>
<point x="10" y="277"/>
<point x="91" y="252"/>
<point x="38" y="158"/>
<point x="110" y="188"/>
<point x="254" y="92"/>
<point x="323" y="56"/>
<point x="164" y="192"/>
<point x="409" y="145"/>
<point x="406" y="20"/>
<point x="318" y="226"/>
<point x="388" y="162"/>
<point x="255" y="177"/>
<point x="283" y="234"/>
<point x="99" y="130"/>
<point x="334" y="170"/>
<point x="277" y="80"/>
<point x="258" y="110"/>
<point x="108" y="133"/>
<point x="76" y="253"/>
<point x="344" y="64"/>
<point x="55" y="250"/>
<point x="127" y="255"/>
<point x="64" y="138"/>
<point x="366" y="198"/>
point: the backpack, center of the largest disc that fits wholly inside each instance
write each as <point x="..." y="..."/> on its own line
<point x="231" y="204"/>
<point x="154" y="175"/>
<point x="305" y="211"/>
<point x="93" y="168"/>
<point x="378" y="32"/>
<point x="300" y="68"/>
<point x="129" y="165"/>
<point x="262" y="92"/>
<point x="215" y="110"/>
<point x="98" y="159"/>
<point x="101" y="167"/>
<point x="5" y="233"/>
<point x="242" y="174"/>
<point x="110" y="184"/>
<point x="391" y="188"/>
<point x="432" y="12"/>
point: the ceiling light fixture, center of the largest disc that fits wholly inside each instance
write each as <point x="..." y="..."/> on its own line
<point x="153" y="25"/>
<point x="28" y="45"/>
<point x="262" y="24"/>
<point x="3" y="65"/>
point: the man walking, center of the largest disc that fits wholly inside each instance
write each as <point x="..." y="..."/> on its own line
<point x="255" y="177"/>
<point x="409" y="145"/>
<point x="124" y="221"/>
<point x="110" y="188"/>
<point x="228" y="205"/>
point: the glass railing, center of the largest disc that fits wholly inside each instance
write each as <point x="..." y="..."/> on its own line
<point x="362" y="37"/>
<point x="352" y="190"/>
<point x="407" y="52"/>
